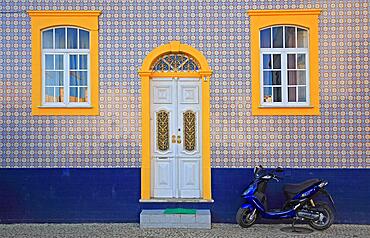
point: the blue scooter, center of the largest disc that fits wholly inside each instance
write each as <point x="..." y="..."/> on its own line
<point x="301" y="201"/>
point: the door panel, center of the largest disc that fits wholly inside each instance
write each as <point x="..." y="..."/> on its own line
<point x="188" y="93"/>
<point x="189" y="117"/>
<point x="189" y="181"/>
<point x="163" y="124"/>
<point x="163" y="177"/>
<point x="162" y="94"/>
<point x="176" y="137"/>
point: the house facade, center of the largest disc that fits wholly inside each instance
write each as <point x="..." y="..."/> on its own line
<point x="111" y="107"/>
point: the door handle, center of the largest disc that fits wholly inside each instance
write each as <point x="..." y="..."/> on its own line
<point x="178" y="139"/>
<point x="174" y="139"/>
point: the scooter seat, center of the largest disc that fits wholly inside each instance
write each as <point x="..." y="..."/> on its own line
<point x="292" y="189"/>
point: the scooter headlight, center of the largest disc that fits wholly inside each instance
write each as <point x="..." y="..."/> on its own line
<point x="323" y="184"/>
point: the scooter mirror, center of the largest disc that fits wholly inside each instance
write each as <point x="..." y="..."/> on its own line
<point x="256" y="170"/>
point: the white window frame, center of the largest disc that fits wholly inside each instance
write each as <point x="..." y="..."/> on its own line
<point x="66" y="70"/>
<point x="284" y="69"/>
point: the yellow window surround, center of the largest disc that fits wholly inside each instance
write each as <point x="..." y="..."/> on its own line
<point x="308" y="19"/>
<point x="41" y="20"/>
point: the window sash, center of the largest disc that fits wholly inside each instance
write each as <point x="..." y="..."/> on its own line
<point x="283" y="52"/>
<point x="284" y="40"/>
<point x="284" y="77"/>
<point x="66" y="52"/>
<point x="66" y="80"/>
<point x="65" y="38"/>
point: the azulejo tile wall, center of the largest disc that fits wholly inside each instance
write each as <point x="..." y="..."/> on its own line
<point x="129" y="30"/>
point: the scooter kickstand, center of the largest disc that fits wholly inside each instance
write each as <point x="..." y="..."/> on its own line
<point x="293" y="227"/>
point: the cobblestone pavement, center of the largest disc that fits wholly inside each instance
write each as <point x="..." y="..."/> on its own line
<point x="133" y="230"/>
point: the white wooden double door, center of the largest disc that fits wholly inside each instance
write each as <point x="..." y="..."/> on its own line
<point x="176" y="144"/>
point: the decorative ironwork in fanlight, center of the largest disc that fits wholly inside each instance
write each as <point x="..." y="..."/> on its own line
<point x="189" y="130"/>
<point x="175" y="63"/>
<point x="163" y="132"/>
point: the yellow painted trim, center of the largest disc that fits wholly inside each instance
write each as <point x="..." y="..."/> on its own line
<point x="284" y="12"/>
<point x="305" y="18"/>
<point x="84" y="19"/>
<point x="33" y="13"/>
<point x="146" y="74"/>
<point x="174" y="47"/>
<point x="175" y="74"/>
<point x="145" y="138"/>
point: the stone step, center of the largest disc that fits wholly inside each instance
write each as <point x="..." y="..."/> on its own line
<point x="157" y="219"/>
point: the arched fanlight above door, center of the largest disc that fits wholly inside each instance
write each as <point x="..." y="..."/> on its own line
<point x="175" y="63"/>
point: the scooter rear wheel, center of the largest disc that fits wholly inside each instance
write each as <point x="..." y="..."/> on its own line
<point x="326" y="217"/>
<point x="246" y="217"/>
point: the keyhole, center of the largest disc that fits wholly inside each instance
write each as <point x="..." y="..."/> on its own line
<point x="179" y="129"/>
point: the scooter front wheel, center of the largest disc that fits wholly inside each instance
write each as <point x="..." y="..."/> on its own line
<point x="246" y="217"/>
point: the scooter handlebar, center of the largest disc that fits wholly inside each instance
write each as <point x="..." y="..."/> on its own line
<point x="274" y="177"/>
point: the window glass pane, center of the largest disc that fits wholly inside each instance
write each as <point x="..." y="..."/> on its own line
<point x="59" y="62"/>
<point x="60" y="41"/>
<point x="277" y="94"/>
<point x="302" y="38"/>
<point x="49" y="94"/>
<point x="60" y="78"/>
<point x="267" y="78"/>
<point x="84" y="39"/>
<point x="292" y="77"/>
<point x="82" y="78"/>
<point x="73" y="62"/>
<point x="291" y="61"/>
<point x="47" y="39"/>
<point x="73" y="78"/>
<point x="265" y="36"/>
<point x="289" y="37"/>
<point x="49" y="61"/>
<point x="292" y="94"/>
<point x="54" y="78"/>
<point x="267" y="61"/>
<point x="302" y="77"/>
<point x="276" y="78"/>
<point x="83" y="94"/>
<point x="50" y="78"/>
<point x="71" y="38"/>
<point x="59" y="94"/>
<point x="277" y="61"/>
<point x="301" y="94"/>
<point x="83" y="61"/>
<point x="301" y="61"/>
<point x="267" y="94"/>
<point x="73" y="94"/>
<point x="277" y="37"/>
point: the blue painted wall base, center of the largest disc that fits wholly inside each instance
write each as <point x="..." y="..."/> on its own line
<point x="112" y="195"/>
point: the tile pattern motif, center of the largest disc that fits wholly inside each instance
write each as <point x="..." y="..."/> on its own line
<point x="129" y="30"/>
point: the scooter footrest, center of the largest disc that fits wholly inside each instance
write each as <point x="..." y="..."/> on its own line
<point x="274" y="210"/>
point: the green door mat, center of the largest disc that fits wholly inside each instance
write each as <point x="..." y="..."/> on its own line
<point x="179" y="211"/>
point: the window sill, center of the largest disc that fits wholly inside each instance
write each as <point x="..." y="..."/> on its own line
<point x="286" y="110"/>
<point x="63" y="110"/>
<point x="55" y="106"/>
<point x="285" y="106"/>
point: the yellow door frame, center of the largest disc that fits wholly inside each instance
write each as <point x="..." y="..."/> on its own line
<point x="146" y="74"/>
